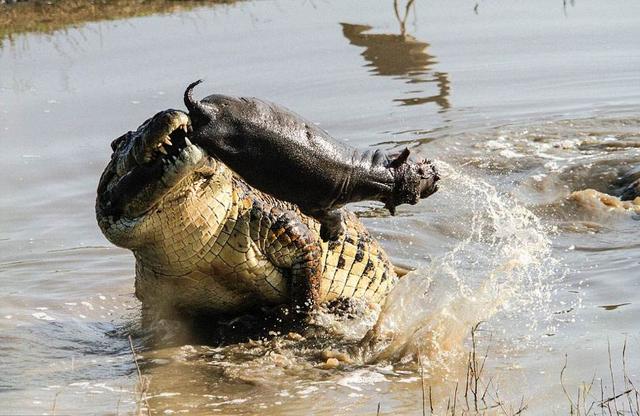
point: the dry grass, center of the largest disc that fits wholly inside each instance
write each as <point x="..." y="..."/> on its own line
<point x="480" y="395"/>
<point x="618" y="397"/>
<point x="48" y="16"/>
<point x="610" y="396"/>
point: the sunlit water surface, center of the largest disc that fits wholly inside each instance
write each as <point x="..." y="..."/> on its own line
<point x="520" y="104"/>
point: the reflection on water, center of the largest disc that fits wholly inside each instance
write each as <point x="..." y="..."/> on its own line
<point x="401" y="56"/>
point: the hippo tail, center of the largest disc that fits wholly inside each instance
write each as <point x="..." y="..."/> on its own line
<point x="194" y="106"/>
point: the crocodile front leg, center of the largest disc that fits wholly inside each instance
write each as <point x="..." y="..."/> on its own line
<point x="291" y="246"/>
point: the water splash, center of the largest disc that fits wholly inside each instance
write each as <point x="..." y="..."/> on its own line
<point x="502" y="265"/>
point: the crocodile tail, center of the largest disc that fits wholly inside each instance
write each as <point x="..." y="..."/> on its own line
<point x="194" y="106"/>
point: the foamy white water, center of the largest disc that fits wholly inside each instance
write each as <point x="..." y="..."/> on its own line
<point x="503" y="265"/>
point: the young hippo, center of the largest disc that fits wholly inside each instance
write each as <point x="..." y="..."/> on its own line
<point x="282" y="154"/>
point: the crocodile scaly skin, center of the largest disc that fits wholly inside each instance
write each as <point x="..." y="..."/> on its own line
<point x="213" y="244"/>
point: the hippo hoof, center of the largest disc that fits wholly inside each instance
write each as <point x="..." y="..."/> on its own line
<point x="331" y="232"/>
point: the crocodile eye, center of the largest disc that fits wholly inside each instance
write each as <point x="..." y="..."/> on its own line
<point x="116" y="142"/>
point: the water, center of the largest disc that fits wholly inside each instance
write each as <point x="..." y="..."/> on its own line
<point x="521" y="104"/>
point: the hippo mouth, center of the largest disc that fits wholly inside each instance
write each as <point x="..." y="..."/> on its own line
<point x="149" y="164"/>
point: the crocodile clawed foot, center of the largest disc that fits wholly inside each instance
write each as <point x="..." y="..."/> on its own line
<point x="365" y="347"/>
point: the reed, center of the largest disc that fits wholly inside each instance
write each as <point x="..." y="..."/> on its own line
<point x="608" y="396"/>
<point x="619" y="396"/>
<point x="142" y="385"/>
<point x="480" y="395"/>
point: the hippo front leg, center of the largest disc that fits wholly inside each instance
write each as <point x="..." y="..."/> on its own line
<point x="331" y="223"/>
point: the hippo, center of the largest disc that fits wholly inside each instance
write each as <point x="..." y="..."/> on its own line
<point x="282" y="154"/>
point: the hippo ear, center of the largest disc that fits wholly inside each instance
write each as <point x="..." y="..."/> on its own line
<point x="400" y="159"/>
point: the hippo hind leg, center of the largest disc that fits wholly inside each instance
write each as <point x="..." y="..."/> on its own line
<point x="331" y="224"/>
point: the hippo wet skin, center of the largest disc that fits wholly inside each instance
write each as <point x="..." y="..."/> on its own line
<point x="282" y="154"/>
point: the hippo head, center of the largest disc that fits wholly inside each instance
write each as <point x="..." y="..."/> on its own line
<point x="415" y="179"/>
<point x="150" y="168"/>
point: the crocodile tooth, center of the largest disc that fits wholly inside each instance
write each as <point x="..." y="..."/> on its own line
<point x="187" y="141"/>
<point x="184" y="128"/>
<point x="166" y="140"/>
<point x="162" y="150"/>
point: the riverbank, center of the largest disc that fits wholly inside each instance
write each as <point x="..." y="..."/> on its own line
<point x="51" y="15"/>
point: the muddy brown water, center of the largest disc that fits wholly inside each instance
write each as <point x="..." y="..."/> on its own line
<point x="521" y="104"/>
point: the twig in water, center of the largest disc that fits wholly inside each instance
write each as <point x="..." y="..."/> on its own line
<point x="619" y="402"/>
<point x="141" y="380"/>
<point x="455" y="399"/>
<point x="614" y="398"/>
<point x="119" y="400"/>
<point x="601" y="398"/>
<point x="430" y="401"/>
<point x="613" y="383"/>
<point x="628" y="383"/>
<point x="55" y="402"/>
<point x="564" y="389"/>
<point x="522" y="408"/>
<point x="424" y="411"/>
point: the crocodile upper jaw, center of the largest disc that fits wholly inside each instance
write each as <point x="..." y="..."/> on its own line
<point x="149" y="164"/>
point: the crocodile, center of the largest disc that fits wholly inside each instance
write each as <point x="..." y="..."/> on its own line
<point x="205" y="242"/>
